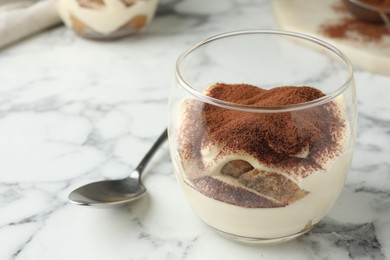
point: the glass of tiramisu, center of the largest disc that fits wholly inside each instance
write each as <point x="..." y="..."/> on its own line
<point x="261" y="131"/>
<point x="106" y="19"/>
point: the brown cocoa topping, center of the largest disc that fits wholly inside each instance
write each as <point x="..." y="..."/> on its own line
<point x="275" y="139"/>
<point x="349" y="27"/>
<point x="278" y="130"/>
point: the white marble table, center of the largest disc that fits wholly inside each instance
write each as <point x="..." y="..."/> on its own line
<point x="74" y="111"/>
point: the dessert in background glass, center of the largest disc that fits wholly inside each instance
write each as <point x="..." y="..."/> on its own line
<point x="262" y="131"/>
<point x="106" y="19"/>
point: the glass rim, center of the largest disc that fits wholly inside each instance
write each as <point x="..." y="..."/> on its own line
<point x="250" y="108"/>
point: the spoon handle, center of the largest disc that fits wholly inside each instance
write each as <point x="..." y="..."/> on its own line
<point x="141" y="166"/>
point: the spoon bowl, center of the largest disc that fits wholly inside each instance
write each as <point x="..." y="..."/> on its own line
<point x="109" y="193"/>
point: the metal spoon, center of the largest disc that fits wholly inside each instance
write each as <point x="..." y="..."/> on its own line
<point x="116" y="192"/>
<point x="368" y="13"/>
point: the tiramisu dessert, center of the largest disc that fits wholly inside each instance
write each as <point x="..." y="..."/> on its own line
<point x="262" y="175"/>
<point x="104" y="19"/>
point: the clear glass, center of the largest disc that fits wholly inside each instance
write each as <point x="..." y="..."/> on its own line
<point x="259" y="167"/>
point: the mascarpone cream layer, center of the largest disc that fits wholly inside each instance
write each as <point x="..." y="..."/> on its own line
<point x="109" y="18"/>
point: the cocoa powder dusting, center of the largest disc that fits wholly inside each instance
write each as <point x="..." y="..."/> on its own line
<point x="349" y="27"/>
<point x="275" y="139"/>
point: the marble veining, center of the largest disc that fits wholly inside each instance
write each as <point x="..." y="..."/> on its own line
<point x="74" y="111"/>
<point x="357" y="240"/>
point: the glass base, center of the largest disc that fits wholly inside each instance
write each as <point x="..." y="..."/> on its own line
<point x="91" y="35"/>
<point x="261" y="241"/>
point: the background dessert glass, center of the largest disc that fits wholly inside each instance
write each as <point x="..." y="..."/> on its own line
<point x="242" y="178"/>
<point x="106" y="19"/>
